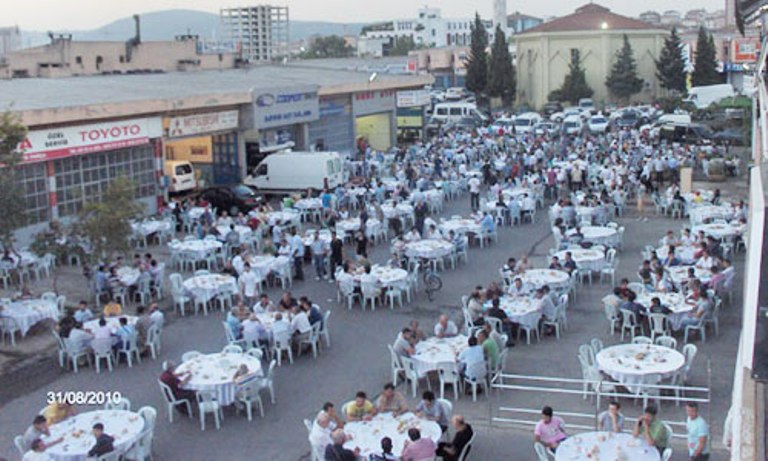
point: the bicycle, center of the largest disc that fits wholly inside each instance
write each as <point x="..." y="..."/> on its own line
<point x="432" y="282"/>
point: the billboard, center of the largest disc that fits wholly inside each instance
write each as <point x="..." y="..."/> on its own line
<point x="284" y="106"/>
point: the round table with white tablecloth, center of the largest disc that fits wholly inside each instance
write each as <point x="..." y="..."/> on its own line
<point x="461" y="226"/>
<point x="367" y="435"/>
<point x="607" y="446"/>
<point x="597" y="235"/>
<point x="434" y="350"/>
<point x="585" y="258"/>
<point x="28" y="312"/>
<point x="632" y="364"/>
<point x="353" y="225"/>
<point x="521" y="309"/>
<point x="124" y="426"/>
<point x="196" y="212"/>
<point x="152" y="226"/>
<point x="686" y="254"/>
<point x="387" y="276"/>
<point x="537" y="278"/>
<point x="199" y="248"/>
<point x="675" y="302"/>
<point x="128" y="275"/>
<point x="705" y="213"/>
<point x="242" y="231"/>
<point x="215" y="373"/>
<point x="308" y="204"/>
<point x="679" y="274"/>
<point x="718" y="231"/>
<point x="21" y="258"/>
<point x="263" y="264"/>
<point x="309" y="236"/>
<point x="112" y="322"/>
<point x="287" y="218"/>
<point x="401" y="209"/>
<point x="206" y="287"/>
<point x="429" y="248"/>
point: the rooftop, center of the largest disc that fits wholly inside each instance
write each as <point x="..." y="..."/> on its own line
<point x="590" y="17"/>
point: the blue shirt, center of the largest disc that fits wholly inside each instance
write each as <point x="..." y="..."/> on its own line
<point x="234" y="325"/>
<point x="488" y="223"/>
<point x="697" y="428"/>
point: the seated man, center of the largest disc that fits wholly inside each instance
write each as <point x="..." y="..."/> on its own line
<point x="336" y="450"/>
<point x="549" y="430"/>
<point x="320" y="434"/>
<point x="429" y="408"/>
<point x="445" y="328"/>
<point x="175" y="382"/>
<point x="418" y="448"/>
<point x="392" y="401"/>
<point x="37" y="430"/>
<point x="462" y="435"/>
<point x="83" y="313"/>
<point x="569" y="265"/>
<point x="611" y="420"/>
<point x="361" y="409"/>
<point x="652" y="429"/>
<point x="402" y="346"/>
<point x="104" y="443"/>
<point x="519" y="288"/>
<point x="471" y="360"/>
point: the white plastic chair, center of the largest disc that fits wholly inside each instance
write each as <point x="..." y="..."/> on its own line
<point x="542" y="453"/>
<point x="172" y="401"/>
<point x="666" y="341"/>
<point x="207" y="403"/>
<point x="130" y="350"/>
<point x="282" y="344"/>
<point x="370" y="294"/>
<point x="325" y="333"/>
<point x="232" y="349"/>
<point x="268" y="382"/>
<point x="102" y="350"/>
<point x="628" y="322"/>
<point x="153" y="341"/>
<point x="248" y="394"/>
<point x="476" y="377"/>
<point x="642" y="340"/>
<point x="122" y="404"/>
<point x="411" y="374"/>
<point x="447" y="373"/>
<point x="313" y="340"/>
<point x="395" y="364"/>
<point x="189" y="355"/>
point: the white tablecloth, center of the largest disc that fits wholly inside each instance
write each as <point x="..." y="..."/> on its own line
<point x="705" y="213"/>
<point x="537" y="278"/>
<point x="206" y="287"/>
<point x="28" y="312"/>
<point x="353" y="225"/>
<point x="430" y="248"/>
<point x="152" y="226"/>
<point x="243" y="231"/>
<point x="124" y="426"/>
<point x="674" y="301"/>
<point x="308" y="204"/>
<point x="683" y="253"/>
<point x="521" y="310"/>
<point x="195" y="212"/>
<point x="284" y="218"/>
<point x="387" y="276"/>
<point x="112" y="322"/>
<point x="632" y="364"/>
<point x="595" y="446"/>
<point x="215" y="373"/>
<point x="199" y="248"/>
<point x="718" y="231"/>
<point x="598" y="235"/>
<point x="706" y="197"/>
<point x="679" y="274"/>
<point x="309" y="236"/>
<point x="262" y="265"/>
<point x="461" y="226"/>
<point x="436" y="350"/>
<point x="367" y="435"/>
<point x="128" y="275"/>
<point x="589" y="259"/>
<point x="402" y="209"/>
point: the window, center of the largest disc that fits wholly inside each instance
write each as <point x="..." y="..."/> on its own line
<point x="79" y="60"/>
<point x="184" y="168"/>
<point x="442" y="111"/>
<point x="456" y="111"/>
<point x="329" y="167"/>
<point x="262" y="170"/>
<point x="32" y="181"/>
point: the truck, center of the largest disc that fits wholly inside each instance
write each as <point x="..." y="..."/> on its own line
<point x="287" y="171"/>
<point x="703" y="96"/>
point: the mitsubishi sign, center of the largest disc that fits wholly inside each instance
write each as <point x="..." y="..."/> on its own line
<point x="285" y="106"/>
<point x="54" y="143"/>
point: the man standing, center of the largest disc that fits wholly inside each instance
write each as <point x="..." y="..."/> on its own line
<point x="474" y="192"/>
<point x="319" y="251"/>
<point x="248" y="281"/>
<point x="698" y="434"/>
<point x="297" y="252"/>
<point x="337" y="254"/>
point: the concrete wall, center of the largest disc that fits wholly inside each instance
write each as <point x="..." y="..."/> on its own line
<point x="543" y="59"/>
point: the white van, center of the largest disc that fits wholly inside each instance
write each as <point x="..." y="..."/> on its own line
<point x="181" y="176"/>
<point x="445" y="112"/>
<point x="703" y="96"/>
<point x="454" y="93"/>
<point x="524" y="123"/>
<point x="289" y="171"/>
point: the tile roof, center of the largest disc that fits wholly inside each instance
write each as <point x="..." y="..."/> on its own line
<point x="590" y="17"/>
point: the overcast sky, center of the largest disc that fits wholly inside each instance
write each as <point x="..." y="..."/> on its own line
<point x="87" y="14"/>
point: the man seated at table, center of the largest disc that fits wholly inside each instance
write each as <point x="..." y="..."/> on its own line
<point x="706" y="261"/>
<point x="417" y="334"/>
<point x="234" y="324"/>
<point x="320" y="434"/>
<point x="669" y="239"/>
<point x="576" y="236"/>
<point x="487" y="224"/>
<point x="329" y="409"/>
<point x="509" y="270"/>
<point x="611" y="420"/>
<point x="37" y="430"/>
<point x="550" y="430"/>
<point x="57" y="412"/>
<point x="429" y="408"/>
<point x="519" y="288"/>
<point x="125" y="334"/>
<point x="671" y="259"/>
<point x="457" y="240"/>
<point x="403" y="346"/>
<point x="391" y="401"/>
<point x="418" y="448"/>
<point x="287" y="302"/>
<point x="83" y="313"/>
<point x="495" y="311"/>
<point x="104" y="442"/>
<point x="175" y="383"/>
<point x="490" y="349"/>
<point x="360" y="409"/>
<point x="386" y="452"/>
<point x="300" y="325"/>
<point x="462" y="435"/>
<point x="337" y="452"/>
<point x="37" y="450"/>
<point x="475" y="305"/>
<point x="651" y="429"/>
<point x="471" y="361"/>
<point x="254" y="332"/>
<point x="555" y="264"/>
<point x="112" y="309"/>
<point x="623" y="288"/>
<point x="264" y="304"/>
<point x="703" y="311"/>
<point x="445" y="328"/>
<point x="569" y="265"/>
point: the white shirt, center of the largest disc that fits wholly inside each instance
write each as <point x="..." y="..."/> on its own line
<point x="449" y="330"/>
<point x="238" y="264"/>
<point x="248" y="281"/>
<point x="281" y="328"/>
<point x="102" y="332"/>
<point x="300" y="323"/>
<point x="320" y="437"/>
<point x="369" y="279"/>
<point x="705" y="262"/>
<point x="36" y="456"/>
<point x="158" y="318"/>
<point x="474" y="185"/>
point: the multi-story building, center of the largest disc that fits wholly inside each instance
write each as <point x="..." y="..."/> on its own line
<point x="651" y="17"/>
<point x="10" y="40"/>
<point x="262" y="31"/>
<point x="518" y="22"/>
<point x="671" y="18"/>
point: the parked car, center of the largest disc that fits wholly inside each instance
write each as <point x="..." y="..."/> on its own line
<point x="465" y="123"/>
<point x="598" y="124"/>
<point x="732" y="136"/>
<point x="628" y="119"/>
<point x="232" y="198"/>
<point x="506" y="124"/>
<point x="546" y="128"/>
<point x="524" y="123"/>
<point x="685" y="133"/>
<point x="587" y="104"/>
<point x="551" y="107"/>
<point x="573" y="126"/>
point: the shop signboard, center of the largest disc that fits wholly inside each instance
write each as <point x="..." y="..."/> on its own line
<point x="413" y="98"/>
<point x="373" y="102"/>
<point x="199" y="124"/>
<point x="285" y="106"/>
<point x="55" y="143"/>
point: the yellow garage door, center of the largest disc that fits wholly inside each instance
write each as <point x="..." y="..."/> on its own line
<point x="376" y="129"/>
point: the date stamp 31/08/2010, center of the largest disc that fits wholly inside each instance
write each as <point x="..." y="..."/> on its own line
<point x="83" y="397"/>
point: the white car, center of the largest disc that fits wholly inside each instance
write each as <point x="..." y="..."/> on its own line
<point x="598" y="124"/>
<point x="573" y="126"/>
<point x="504" y="123"/>
<point x="524" y="123"/>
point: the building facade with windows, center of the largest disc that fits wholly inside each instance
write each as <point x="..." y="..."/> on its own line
<point x="262" y="31"/>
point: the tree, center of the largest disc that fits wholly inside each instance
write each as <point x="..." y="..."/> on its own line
<point x="107" y="223"/>
<point x="502" y="80"/>
<point x="331" y="46"/>
<point x="575" y="84"/>
<point x="402" y="46"/>
<point x="12" y="201"/>
<point x="670" y="67"/>
<point x="622" y="81"/>
<point x="705" y="60"/>
<point x="477" y="64"/>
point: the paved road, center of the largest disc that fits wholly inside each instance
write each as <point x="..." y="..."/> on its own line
<point x="358" y="360"/>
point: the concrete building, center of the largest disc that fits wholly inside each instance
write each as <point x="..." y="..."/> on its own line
<point x="447" y="64"/>
<point x="671" y="18"/>
<point x="651" y="17"/>
<point x="544" y="52"/>
<point x="84" y="132"/>
<point x="262" y="31"/>
<point x="518" y="22"/>
<point x="10" y="40"/>
<point x="500" y="16"/>
<point x="64" y="57"/>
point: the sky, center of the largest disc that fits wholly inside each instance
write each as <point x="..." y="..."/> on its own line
<point x="55" y="15"/>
